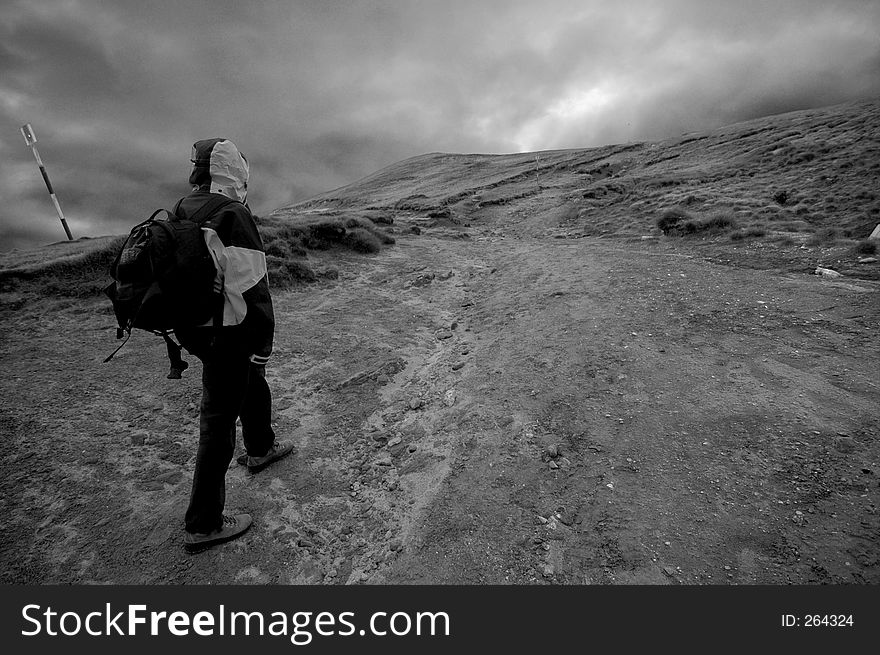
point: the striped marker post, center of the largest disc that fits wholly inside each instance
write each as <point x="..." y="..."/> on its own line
<point x="30" y="138"/>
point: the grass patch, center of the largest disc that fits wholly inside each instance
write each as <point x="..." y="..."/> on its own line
<point x="289" y="239"/>
<point x="825" y="236"/>
<point x="781" y="198"/>
<point x="672" y="218"/>
<point x="783" y="240"/>
<point x="285" y="272"/>
<point x="751" y="232"/>
<point x="866" y="247"/>
<point x="361" y="240"/>
<point x="677" y="221"/>
<point x="286" y="241"/>
<point x="78" y="276"/>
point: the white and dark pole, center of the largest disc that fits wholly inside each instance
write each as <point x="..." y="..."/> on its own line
<point x="30" y="138"/>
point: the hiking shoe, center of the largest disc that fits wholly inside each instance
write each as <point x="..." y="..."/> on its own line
<point x="278" y="450"/>
<point x="233" y="526"/>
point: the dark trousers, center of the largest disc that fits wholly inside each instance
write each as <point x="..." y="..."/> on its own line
<point x="232" y="388"/>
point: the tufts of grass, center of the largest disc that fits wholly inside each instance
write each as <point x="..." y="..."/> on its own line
<point x="289" y="239"/>
<point x="286" y="272"/>
<point x="672" y="217"/>
<point x="679" y="222"/>
<point x="80" y="276"/>
<point x="319" y="232"/>
<point x="866" y="247"/>
<point x="286" y="242"/>
<point x="719" y="221"/>
<point x="750" y="232"/>
<point x="825" y="236"/>
<point x="362" y="240"/>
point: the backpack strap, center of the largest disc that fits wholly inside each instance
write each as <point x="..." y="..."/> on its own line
<point x="211" y="206"/>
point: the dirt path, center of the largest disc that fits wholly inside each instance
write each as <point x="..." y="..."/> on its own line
<point x="473" y="410"/>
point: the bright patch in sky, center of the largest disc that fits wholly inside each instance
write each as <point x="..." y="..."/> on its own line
<point x="574" y="112"/>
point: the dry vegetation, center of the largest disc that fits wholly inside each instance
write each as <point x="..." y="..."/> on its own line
<point x="80" y="268"/>
<point x="791" y="191"/>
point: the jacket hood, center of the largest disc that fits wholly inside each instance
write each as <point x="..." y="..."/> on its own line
<point x="219" y="167"/>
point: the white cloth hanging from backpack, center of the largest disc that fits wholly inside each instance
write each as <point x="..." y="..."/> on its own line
<point x="238" y="270"/>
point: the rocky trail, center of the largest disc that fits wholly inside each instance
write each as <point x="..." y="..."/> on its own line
<point x="478" y="409"/>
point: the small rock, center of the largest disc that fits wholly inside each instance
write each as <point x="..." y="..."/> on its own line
<point x="868" y="260"/>
<point x="393" y="442"/>
<point x="444" y="335"/>
<point x="415" y="403"/>
<point x="827" y="272"/>
<point x="552" y="451"/>
<point x="553" y="465"/>
<point x="457" y="366"/>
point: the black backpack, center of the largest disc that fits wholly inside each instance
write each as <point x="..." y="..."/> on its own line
<point x="163" y="279"/>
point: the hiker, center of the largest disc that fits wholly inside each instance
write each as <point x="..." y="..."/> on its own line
<point x="234" y="348"/>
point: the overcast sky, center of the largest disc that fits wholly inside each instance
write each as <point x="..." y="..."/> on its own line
<point x="319" y="93"/>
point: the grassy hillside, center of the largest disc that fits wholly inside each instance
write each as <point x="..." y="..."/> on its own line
<point x="794" y="190"/>
<point x="798" y="172"/>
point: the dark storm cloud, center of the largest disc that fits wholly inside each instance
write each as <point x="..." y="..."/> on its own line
<point x="319" y="94"/>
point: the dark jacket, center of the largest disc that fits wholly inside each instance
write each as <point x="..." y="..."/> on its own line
<point x="237" y="248"/>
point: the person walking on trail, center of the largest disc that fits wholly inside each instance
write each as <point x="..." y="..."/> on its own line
<point x="234" y="348"/>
